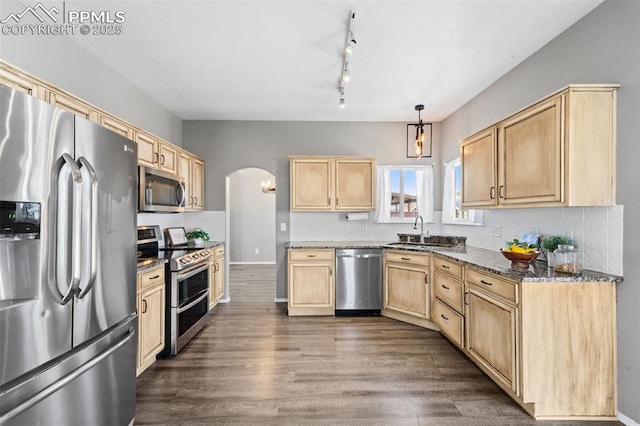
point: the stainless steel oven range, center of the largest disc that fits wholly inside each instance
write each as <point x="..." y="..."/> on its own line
<point x="187" y="276"/>
<point x="187" y="282"/>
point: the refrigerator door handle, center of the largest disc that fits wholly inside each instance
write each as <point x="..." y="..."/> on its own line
<point x="62" y="228"/>
<point x="49" y="390"/>
<point x="89" y="227"/>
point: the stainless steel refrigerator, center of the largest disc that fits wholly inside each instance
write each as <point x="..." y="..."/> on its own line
<point x="68" y="318"/>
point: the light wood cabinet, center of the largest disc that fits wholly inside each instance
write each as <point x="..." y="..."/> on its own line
<point x="311" y="282"/>
<point x="558" y="152"/>
<point x="147" y="149"/>
<point x="332" y="184"/>
<point x="191" y="169"/>
<point x="116" y="125"/>
<point x="151" y="313"/>
<point x="155" y="153"/>
<point x="18" y="80"/>
<point x="448" y="300"/>
<point x="72" y="104"/>
<point x="406" y="288"/>
<point x="542" y="343"/>
<point x="491" y="337"/>
<point x="217" y="274"/>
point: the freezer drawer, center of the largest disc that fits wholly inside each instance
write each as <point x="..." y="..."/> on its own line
<point x="358" y="280"/>
<point x="98" y="379"/>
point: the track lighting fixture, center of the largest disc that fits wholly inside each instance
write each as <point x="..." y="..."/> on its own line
<point x="349" y="47"/>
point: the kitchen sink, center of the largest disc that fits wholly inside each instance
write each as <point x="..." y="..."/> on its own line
<point x="423" y="246"/>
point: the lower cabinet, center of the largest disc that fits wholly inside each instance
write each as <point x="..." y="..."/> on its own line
<point x="151" y="311"/>
<point x="491" y="337"/>
<point x="448" y="301"/>
<point x="311" y="282"/>
<point x="216" y="282"/>
<point x="406" y="288"/>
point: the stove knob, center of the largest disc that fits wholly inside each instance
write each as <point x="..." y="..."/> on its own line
<point x="183" y="261"/>
<point x="195" y="255"/>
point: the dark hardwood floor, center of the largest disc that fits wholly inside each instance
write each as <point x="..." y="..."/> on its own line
<point x="254" y="365"/>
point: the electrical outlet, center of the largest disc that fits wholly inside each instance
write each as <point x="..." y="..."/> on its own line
<point x="363" y="227"/>
<point x="283" y="226"/>
<point x="310" y="227"/>
<point x="257" y="251"/>
<point x="497" y="231"/>
<point x="345" y="226"/>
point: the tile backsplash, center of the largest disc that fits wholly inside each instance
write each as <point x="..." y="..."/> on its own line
<point x="210" y="221"/>
<point x="597" y="230"/>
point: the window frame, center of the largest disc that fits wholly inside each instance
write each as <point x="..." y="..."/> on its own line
<point x="402" y="169"/>
<point x="474" y="217"/>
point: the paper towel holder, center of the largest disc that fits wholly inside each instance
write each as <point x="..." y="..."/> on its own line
<point x="357" y="216"/>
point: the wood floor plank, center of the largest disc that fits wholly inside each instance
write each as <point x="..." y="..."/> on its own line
<point x="252" y="364"/>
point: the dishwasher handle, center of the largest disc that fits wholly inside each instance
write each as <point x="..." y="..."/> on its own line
<point x="360" y="256"/>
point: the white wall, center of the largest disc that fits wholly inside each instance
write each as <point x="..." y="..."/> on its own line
<point x="252" y="216"/>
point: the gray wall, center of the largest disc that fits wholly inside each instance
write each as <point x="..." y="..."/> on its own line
<point x="603" y="47"/>
<point x="252" y="218"/>
<point x="227" y="146"/>
<point x="60" y="61"/>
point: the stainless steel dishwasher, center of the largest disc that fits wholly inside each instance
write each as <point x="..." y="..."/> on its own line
<point x="358" y="281"/>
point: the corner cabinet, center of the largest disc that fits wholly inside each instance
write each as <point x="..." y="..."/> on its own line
<point x="150" y="302"/>
<point x="542" y="343"/>
<point x="558" y="152"/>
<point x="406" y="288"/>
<point x="332" y="184"/>
<point x="311" y="282"/>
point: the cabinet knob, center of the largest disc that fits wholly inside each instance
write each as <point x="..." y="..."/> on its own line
<point x="486" y="282"/>
<point x="144" y="303"/>
<point x="445" y="287"/>
<point x="162" y="162"/>
<point x="491" y="195"/>
<point x="444" y="318"/>
<point x="445" y="267"/>
<point x="500" y="191"/>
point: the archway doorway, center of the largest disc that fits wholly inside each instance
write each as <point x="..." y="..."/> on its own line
<point x="250" y="212"/>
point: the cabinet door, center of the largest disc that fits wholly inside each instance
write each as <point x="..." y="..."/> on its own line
<point x="184" y="171"/>
<point x="17" y="80"/>
<point x="355" y="184"/>
<point x="491" y="337"/>
<point x="219" y="278"/>
<point x="530" y="155"/>
<point x="213" y="300"/>
<point x="478" y="159"/>
<point x="147" y="150"/>
<point x="311" y="289"/>
<point x="73" y="105"/>
<point x="406" y="290"/>
<point x="197" y="183"/>
<point x="116" y="126"/>
<point x="150" y="325"/>
<point x="168" y="158"/>
<point x="311" y="184"/>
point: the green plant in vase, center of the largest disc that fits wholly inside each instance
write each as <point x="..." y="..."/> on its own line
<point x="197" y="236"/>
<point x="551" y="243"/>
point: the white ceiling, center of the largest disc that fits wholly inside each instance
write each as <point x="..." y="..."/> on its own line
<point x="282" y="60"/>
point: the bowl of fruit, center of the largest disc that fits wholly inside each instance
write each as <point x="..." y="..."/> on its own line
<point x="520" y="253"/>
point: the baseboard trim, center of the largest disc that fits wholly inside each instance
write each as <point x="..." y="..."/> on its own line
<point x="281" y="299"/>
<point x="224" y="300"/>
<point x="626" y="420"/>
<point x="252" y="263"/>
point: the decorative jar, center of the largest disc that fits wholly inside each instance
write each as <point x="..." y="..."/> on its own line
<point x="568" y="259"/>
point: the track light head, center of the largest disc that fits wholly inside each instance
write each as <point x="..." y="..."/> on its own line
<point x="346" y="75"/>
<point x="351" y="44"/>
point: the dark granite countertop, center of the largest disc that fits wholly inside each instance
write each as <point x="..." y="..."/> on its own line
<point x="151" y="264"/>
<point x="489" y="260"/>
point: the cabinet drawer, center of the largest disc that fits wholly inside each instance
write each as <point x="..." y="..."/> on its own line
<point x="492" y="284"/>
<point x="218" y="251"/>
<point x="448" y="290"/>
<point x="448" y="266"/>
<point x="150" y="278"/>
<point x="304" y="254"/>
<point x="450" y="322"/>
<point x="407" y="257"/>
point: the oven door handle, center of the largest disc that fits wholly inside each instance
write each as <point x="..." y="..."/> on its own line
<point x="191" y="272"/>
<point x="204" y="295"/>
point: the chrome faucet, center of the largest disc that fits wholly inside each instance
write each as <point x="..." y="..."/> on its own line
<point x="415" y="226"/>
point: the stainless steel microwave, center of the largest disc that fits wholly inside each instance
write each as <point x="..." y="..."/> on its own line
<point x="160" y="191"/>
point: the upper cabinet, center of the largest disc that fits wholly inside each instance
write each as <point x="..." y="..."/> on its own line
<point x="332" y="183"/>
<point x="557" y="152"/>
<point x="152" y="151"/>
<point x="191" y="169"/>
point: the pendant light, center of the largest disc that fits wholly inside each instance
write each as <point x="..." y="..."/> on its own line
<point x="420" y="146"/>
